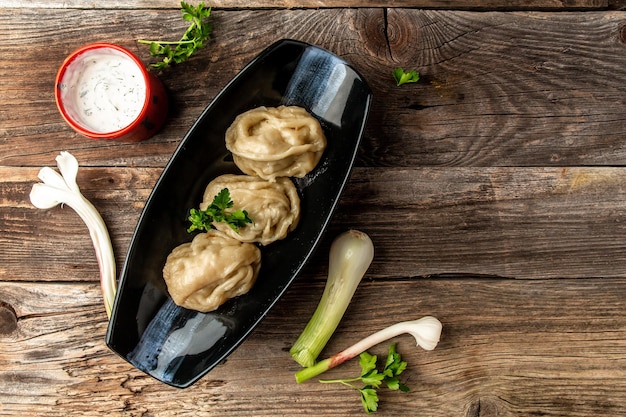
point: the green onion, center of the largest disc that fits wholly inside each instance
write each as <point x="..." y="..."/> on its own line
<point x="426" y="332"/>
<point x="351" y="254"/>
<point x="62" y="189"/>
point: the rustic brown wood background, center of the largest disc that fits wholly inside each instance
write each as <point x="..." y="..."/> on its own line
<point x="494" y="191"/>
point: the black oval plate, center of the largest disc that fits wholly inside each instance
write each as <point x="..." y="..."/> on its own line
<point x="178" y="346"/>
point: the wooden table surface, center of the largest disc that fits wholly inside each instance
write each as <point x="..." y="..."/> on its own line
<point x="494" y="190"/>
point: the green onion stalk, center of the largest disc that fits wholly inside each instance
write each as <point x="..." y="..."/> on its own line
<point x="351" y="254"/>
<point x="426" y="332"/>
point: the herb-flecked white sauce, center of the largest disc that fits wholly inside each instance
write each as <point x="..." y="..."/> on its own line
<point x="103" y="90"/>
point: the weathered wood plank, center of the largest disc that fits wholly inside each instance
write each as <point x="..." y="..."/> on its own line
<point x="489" y="96"/>
<point x="289" y="4"/>
<point x="508" y="222"/>
<point x="503" y="89"/>
<point x="493" y="190"/>
<point x="520" y="222"/>
<point x="45" y="245"/>
<point x="509" y="347"/>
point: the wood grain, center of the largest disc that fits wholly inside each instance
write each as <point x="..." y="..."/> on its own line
<point x="290" y="4"/>
<point x="537" y="223"/>
<point x="572" y="345"/>
<point x="493" y="189"/>
<point x="488" y="95"/>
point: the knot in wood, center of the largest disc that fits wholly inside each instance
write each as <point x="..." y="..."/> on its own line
<point x="482" y="407"/>
<point x="622" y="34"/>
<point x="8" y="319"/>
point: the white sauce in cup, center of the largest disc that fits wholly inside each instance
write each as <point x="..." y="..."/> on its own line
<point x="103" y="90"/>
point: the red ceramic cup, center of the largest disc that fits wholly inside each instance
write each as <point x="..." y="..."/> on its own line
<point x="104" y="91"/>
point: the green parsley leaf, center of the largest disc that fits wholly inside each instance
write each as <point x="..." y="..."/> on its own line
<point x="372" y="379"/>
<point x="369" y="399"/>
<point x="394" y="366"/>
<point x="369" y="373"/>
<point x="222" y="200"/>
<point x="199" y="219"/>
<point x="217" y="212"/>
<point x="367" y="362"/>
<point x="238" y="219"/>
<point x="403" y="77"/>
<point x="194" y="38"/>
<point x="393" y="383"/>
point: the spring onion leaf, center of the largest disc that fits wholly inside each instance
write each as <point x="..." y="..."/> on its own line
<point x="372" y="379"/>
<point x="404" y="77"/>
<point x="217" y="212"/>
<point x="194" y="38"/>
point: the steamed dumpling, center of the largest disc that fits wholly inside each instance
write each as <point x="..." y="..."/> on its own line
<point x="272" y="142"/>
<point x="274" y="207"/>
<point x="204" y="273"/>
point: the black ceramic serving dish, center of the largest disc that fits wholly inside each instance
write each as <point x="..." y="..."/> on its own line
<point x="176" y="345"/>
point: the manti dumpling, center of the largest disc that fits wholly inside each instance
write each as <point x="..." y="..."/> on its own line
<point x="272" y="142"/>
<point x="274" y="207"/>
<point x="204" y="273"/>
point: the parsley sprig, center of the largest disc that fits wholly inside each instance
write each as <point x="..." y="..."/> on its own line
<point x="194" y="38"/>
<point x="217" y="212"/>
<point x="404" y="77"/>
<point x="372" y="379"/>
